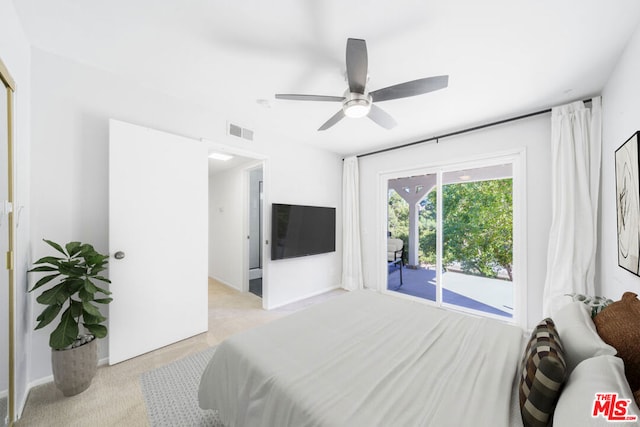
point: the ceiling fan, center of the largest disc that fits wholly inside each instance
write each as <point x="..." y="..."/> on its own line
<point x="357" y="102"/>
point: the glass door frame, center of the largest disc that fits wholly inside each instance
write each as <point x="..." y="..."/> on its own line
<point x="517" y="158"/>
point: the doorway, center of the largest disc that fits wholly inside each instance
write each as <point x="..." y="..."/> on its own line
<point x="238" y="191"/>
<point x="255" y="214"/>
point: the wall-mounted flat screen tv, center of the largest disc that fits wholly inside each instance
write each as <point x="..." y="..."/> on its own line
<point x="298" y="231"/>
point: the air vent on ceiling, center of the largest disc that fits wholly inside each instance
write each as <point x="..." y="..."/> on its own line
<point x="240" y="132"/>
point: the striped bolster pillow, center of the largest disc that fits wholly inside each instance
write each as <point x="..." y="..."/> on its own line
<point x="543" y="373"/>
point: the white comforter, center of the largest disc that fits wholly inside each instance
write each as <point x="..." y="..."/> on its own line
<point x="366" y="359"/>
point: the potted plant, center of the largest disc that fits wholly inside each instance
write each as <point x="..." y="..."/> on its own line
<point x="74" y="272"/>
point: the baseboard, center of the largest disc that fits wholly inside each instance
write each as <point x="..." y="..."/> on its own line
<point x="44" y="380"/>
<point x="310" y="295"/>
<point x="39" y="382"/>
<point x="226" y="283"/>
<point x="23" y="403"/>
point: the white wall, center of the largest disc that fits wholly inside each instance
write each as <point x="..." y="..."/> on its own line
<point x="532" y="134"/>
<point x="316" y="182"/>
<point x="15" y="52"/>
<point x="71" y="107"/>
<point x="620" y="119"/>
<point x="226" y="243"/>
<point x="298" y="175"/>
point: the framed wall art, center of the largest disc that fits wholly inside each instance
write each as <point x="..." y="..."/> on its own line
<point x="627" y="166"/>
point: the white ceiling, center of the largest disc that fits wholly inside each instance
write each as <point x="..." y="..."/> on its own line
<point x="504" y="57"/>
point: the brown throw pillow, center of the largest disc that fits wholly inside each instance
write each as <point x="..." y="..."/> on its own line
<point x="619" y="326"/>
<point x="543" y="373"/>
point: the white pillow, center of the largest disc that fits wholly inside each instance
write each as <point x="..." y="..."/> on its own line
<point x="578" y="334"/>
<point x="602" y="374"/>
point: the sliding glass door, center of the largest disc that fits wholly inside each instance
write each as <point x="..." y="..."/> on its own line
<point x="456" y="226"/>
<point x="477" y="239"/>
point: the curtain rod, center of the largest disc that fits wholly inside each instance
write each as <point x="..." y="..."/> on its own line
<point x="459" y="132"/>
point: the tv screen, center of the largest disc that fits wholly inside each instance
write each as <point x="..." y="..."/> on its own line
<point x="302" y="230"/>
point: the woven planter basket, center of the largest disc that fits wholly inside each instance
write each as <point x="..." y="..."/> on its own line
<point x="73" y="369"/>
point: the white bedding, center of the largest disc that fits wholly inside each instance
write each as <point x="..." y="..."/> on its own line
<point x="366" y="359"/>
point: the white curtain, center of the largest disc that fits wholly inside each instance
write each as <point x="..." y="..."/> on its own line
<point x="576" y="144"/>
<point x="351" y="254"/>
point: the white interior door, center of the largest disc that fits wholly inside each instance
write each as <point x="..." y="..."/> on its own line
<point x="158" y="228"/>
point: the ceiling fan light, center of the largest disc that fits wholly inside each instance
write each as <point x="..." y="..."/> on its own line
<point x="356" y="108"/>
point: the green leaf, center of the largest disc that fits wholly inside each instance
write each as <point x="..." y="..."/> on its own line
<point x="90" y="309"/>
<point x="102" y="278"/>
<point x="94" y="320"/>
<point x="87" y="250"/>
<point x="104" y="291"/>
<point x="93" y="258"/>
<point x="72" y="269"/>
<point x="84" y="295"/>
<point x="43" y="268"/>
<point x="74" y="284"/>
<point x="56" y="295"/>
<point x="66" y="332"/>
<point x="44" y="281"/>
<point x="90" y="287"/>
<point x="48" y="260"/>
<point x="103" y="300"/>
<point x="95" y="270"/>
<point x="47" y="315"/>
<point x="73" y="248"/>
<point x="56" y="246"/>
<point x="76" y="308"/>
<point x="100" y="331"/>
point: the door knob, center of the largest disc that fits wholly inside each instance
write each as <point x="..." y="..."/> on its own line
<point x="119" y="255"/>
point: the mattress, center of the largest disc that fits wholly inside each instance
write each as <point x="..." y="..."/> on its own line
<point x="366" y="359"/>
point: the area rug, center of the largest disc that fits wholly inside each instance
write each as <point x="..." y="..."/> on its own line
<point x="171" y="393"/>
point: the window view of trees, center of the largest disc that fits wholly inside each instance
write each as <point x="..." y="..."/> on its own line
<point x="477" y="226"/>
<point x="398" y="213"/>
<point x="427" y="229"/>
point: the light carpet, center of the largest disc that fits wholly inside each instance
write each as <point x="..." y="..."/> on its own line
<point x="171" y="393"/>
<point x="3" y="408"/>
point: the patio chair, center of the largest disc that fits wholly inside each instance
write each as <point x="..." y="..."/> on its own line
<point x="395" y="254"/>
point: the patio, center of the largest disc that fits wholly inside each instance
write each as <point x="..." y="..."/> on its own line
<point x="488" y="295"/>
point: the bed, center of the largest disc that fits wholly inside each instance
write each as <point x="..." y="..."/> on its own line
<point x="367" y="359"/>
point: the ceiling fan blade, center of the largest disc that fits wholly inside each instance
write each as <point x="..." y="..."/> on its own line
<point x="357" y="64"/>
<point x="381" y="117"/>
<point x="412" y="88"/>
<point x="333" y="120"/>
<point x="295" y="97"/>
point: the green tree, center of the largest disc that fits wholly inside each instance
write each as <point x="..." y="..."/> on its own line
<point x="427" y="228"/>
<point x="398" y="213"/>
<point x="478" y="226"/>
